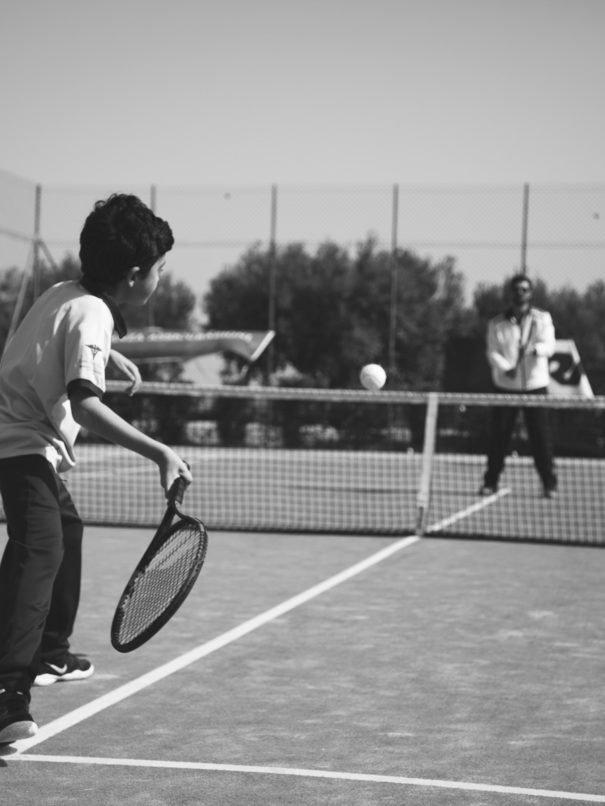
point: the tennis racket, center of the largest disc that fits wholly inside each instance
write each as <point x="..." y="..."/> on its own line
<point x="163" y="577"/>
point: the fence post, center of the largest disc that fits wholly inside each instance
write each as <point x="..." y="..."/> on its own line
<point x="392" y="358"/>
<point x="153" y="204"/>
<point x="272" y="278"/>
<point x="524" y="228"/>
<point x="36" y="243"/>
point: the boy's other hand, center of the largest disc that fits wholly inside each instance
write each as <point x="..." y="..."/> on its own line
<point x="127" y="368"/>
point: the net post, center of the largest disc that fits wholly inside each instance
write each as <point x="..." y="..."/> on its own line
<point x="428" y="452"/>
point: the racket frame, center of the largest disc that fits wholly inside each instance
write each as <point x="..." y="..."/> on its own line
<point x="168" y="526"/>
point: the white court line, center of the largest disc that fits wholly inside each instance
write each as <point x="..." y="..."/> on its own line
<point x="464" y="513"/>
<point x="401" y="780"/>
<point x="128" y="689"/>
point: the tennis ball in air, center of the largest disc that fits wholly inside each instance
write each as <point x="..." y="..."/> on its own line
<point x="372" y="377"/>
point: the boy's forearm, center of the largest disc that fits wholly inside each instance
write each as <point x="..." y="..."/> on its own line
<point x="91" y="413"/>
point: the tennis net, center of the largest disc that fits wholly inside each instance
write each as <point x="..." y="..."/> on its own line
<point x="349" y="462"/>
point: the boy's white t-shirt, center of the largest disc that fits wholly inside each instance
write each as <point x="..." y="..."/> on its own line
<point x="64" y="338"/>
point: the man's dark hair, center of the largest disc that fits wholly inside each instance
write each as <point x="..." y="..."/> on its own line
<point x="520" y="277"/>
<point x="119" y="233"/>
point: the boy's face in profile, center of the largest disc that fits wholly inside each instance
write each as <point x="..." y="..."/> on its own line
<point x="144" y="286"/>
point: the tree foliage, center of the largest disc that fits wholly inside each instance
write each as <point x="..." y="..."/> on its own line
<point x="333" y="310"/>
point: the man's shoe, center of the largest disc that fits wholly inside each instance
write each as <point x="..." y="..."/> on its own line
<point x="16" y="722"/>
<point x="550" y="492"/>
<point x="488" y="489"/>
<point x="70" y="667"/>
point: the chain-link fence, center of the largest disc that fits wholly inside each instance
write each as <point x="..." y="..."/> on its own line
<point x="555" y="232"/>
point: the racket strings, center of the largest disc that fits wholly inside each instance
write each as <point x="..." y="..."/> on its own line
<point x="162" y="581"/>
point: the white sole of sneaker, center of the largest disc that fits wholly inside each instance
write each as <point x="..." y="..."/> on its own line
<point x="17" y="731"/>
<point x="49" y="679"/>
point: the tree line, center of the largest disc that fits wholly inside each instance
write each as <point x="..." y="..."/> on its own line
<point x="336" y="310"/>
<point x="334" y="314"/>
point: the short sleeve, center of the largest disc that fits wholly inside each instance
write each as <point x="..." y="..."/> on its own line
<point x="89" y="327"/>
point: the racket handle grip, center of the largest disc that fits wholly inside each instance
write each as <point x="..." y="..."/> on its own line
<point x="177" y="490"/>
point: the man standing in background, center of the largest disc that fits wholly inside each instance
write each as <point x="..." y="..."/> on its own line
<point x="519" y="343"/>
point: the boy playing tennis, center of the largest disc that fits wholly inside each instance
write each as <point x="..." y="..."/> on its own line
<point x="52" y="378"/>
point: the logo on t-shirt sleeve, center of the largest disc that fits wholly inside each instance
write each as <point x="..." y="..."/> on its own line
<point x="94" y="350"/>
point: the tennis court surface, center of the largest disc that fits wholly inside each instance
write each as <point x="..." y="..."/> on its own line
<point x="334" y="669"/>
<point x="340" y="647"/>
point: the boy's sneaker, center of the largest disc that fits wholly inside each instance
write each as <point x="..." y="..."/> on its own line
<point x="70" y="667"/>
<point x="16" y="722"/>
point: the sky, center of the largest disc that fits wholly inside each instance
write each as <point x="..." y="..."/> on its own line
<point x="322" y="92"/>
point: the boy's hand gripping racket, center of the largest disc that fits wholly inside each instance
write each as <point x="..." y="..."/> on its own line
<point x="163" y="577"/>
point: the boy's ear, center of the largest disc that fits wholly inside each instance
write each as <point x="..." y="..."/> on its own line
<point x="132" y="274"/>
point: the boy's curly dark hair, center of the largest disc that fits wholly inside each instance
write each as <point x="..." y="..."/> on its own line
<point x="119" y="233"/>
